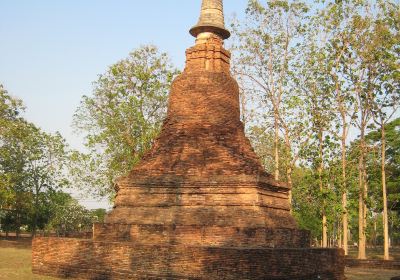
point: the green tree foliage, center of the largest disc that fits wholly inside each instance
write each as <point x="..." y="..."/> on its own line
<point x="313" y="78"/>
<point x="99" y="215"/>
<point x="69" y="217"/>
<point x="10" y="110"/>
<point x="31" y="163"/>
<point x="306" y="198"/>
<point x="121" y="118"/>
<point x="262" y="141"/>
<point x="392" y="164"/>
<point x="13" y="198"/>
<point x="266" y="60"/>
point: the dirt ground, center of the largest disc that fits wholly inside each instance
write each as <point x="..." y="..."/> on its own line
<point x="370" y="274"/>
<point x="377" y="253"/>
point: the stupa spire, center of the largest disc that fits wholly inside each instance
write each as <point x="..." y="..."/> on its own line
<point x="211" y="21"/>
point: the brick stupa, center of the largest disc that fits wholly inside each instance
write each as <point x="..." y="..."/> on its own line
<point x="199" y="205"/>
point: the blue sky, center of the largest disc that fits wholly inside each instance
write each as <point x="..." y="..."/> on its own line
<point x="51" y="50"/>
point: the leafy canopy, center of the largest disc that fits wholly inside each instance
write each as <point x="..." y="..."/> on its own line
<point x="122" y="117"/>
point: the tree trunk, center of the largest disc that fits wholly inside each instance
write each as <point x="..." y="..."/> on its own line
<point x="339" y="234"/>
<point x="35" y="217"/>
<point x="361" y="201"/>
<point x="374" y="236"/>
<point x="320" y="171"/>
<point x="386" y="255"/>
<point x="17" y="225"/>
<point x="345" y="221"/>
<point x="324" y="230"/>
<point x="276" y="146"/>
<point x="365" y="205"/>
<point x="290" y="185"/>
<point x="345" y="224"/>
<point x="289" y="169"/>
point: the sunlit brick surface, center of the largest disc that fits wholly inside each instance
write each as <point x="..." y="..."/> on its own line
<point x="124" y="260"/>
<point x="199" y="205"/>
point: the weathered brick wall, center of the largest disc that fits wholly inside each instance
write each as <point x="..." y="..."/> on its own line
<point x="202" y="134"/>
<point x="241" y="202"/>
<point x="211" y="57"/>
<point x="201" y="146"/>
<point x="191" y="195"/>
<point x="203" y="235"/>
<point x="123" y="260"/>
<point x="202" y="169"/>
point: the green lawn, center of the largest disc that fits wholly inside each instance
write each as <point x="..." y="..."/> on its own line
<point x="15" y="264"/>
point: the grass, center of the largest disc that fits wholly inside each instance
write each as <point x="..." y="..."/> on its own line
<point x="15" y="264"/>
<point x="370" y="274"/>
<point x="377" y="253"/>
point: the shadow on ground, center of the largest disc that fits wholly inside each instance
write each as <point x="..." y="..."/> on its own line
<point x="370" y="274"/>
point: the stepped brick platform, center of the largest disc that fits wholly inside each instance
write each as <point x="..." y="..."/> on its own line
<point x="83" y="259"/>
<point x="199" y="205"/>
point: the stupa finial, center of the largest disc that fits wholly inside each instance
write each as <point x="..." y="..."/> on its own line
<point x="211" y="20"/>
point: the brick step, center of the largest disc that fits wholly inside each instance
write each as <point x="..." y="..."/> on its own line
<point x="203" y="235"/>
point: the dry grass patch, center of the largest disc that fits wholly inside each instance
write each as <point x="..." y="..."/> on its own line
<point x="370" y="274"/>
<point x="15" y="263"/>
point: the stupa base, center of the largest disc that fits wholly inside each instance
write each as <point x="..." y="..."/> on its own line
<point x="88" y="259"/>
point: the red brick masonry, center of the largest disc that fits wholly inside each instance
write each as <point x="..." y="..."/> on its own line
<point x="125" y="260"/>
<point x="203" y="235"/>
<point x="199" y="205"/>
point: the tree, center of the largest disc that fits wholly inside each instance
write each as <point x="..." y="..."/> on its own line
<point x="318" y="96"/>
<point x="10" y="109"/>
<point x="262" y="141"/>
<point x="305" y="200"/>
<point x="267" y="53"/>
<point x="307" y="78"/>
<point x="31" y="163"/>
<point x="356" y="72"/>
<point x="16" y="198"/>
<point x="386" y="94"/>
<point x="68" y="217"/>
<point x="99" y="215"/>
<point x="389" y="170"/>
<point x="46" y="158"/>
<point x="332" y="24"/>
<point x="122" y="118"/>
<point x="372" y="64"/>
